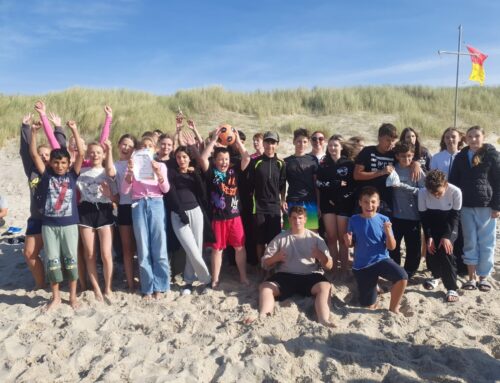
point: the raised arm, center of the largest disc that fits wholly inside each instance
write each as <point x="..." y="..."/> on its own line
<point x="390" y="241"/>
<point x="58" y="130"/>
<point x="37" y="160"/>
<point x="197" y="135"/>
<point x="80" y="155"/>
<point x="245" y="156"/>
<point x="107" y="124"/>
<point x="41" y="110"/>
<point x="108" y="159"/>
<point x="24" y="144"/>
<point x="203" y="160"/>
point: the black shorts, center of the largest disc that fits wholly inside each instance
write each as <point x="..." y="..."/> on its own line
<point x="268" y="227"/>
<point x="95" y="215"/>
<point x="343" y="211"/>
<point x="367" y="279"/>
<point x="33" y="226"/>
<point x="291" y="284"/>
<point x="124" y="215"/>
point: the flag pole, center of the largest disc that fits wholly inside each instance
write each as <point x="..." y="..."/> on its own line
<point x="458" y="71"/>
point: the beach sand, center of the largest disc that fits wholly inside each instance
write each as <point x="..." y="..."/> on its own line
<point x="202" y="338"/>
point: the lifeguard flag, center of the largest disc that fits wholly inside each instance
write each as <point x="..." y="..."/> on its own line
<point x="477" y="73"/>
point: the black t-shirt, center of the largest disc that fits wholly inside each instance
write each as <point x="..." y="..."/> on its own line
<point x="300" y="173"/>
<point x="185" y="187"/>
<point x="223" y="193"/>
<point x="373" y="160"/>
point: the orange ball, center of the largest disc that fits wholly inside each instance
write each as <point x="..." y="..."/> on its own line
<point x="227" y="135"/>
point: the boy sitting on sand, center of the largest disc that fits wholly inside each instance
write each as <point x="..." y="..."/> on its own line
<point x="298" y="256"/>
<point x="371" y="235"/>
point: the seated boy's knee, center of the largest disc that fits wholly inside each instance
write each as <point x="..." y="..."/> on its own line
<point x="269" y="286"/>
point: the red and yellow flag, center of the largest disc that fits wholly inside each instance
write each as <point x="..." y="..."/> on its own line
<point x="477" y="73"/>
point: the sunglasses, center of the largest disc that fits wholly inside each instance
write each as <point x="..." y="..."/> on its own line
<point x="315" y="138"/>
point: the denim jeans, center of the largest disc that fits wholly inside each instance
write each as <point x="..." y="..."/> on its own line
<point x="479" y="231"/>
<point x="148" y="217"/>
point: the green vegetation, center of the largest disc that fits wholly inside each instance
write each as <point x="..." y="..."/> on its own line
<point x="357" y="110"/>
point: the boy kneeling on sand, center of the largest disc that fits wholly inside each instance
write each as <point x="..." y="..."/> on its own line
<point x="371" y="235"/>
<point x="298" y="256"/>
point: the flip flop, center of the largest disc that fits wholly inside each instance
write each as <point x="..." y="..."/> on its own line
<point x="451" y="296"/>
<point x="469" y="285"/>
<point x="484" y="285"/>
<point x="431" y="284"/>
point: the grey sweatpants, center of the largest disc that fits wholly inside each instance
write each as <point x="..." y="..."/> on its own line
<point x="191" y="238"/>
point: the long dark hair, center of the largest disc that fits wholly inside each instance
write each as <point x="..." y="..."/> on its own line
<point x="418" y="147"/>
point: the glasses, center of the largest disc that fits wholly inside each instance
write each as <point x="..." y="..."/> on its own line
<point x="316" y="138"/>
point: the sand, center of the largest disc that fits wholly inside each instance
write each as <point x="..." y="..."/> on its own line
<point x="202" y="338"/>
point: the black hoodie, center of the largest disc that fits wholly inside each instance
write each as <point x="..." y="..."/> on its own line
<point x="480" y="184"/>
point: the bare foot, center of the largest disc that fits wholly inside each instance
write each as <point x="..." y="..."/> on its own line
<point x="215" y="285"/>
<point x="245" y="282"/>
<point x="157" y="295"/>
<point x="147" y="297"/>
<point x="98" y="296"/>
<point x="52" y="304"/>
<point x="395" y="310"/>
<point x="109" y="297"/>
<point x="73" y="302"/>
<point x="373" y="306"/>
<point x="328" y="323"/>
<point x="255" y="318"/>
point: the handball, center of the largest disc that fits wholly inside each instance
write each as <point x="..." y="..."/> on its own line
<point x="227" y="135"/>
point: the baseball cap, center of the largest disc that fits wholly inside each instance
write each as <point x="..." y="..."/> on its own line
<point x="271" y="136"/>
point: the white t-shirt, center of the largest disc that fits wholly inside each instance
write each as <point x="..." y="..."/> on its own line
<point x="298" y="250"/>
<point x="89" y="183"/>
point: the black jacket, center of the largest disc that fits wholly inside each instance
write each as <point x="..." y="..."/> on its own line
<point x="267" y="180"/>
<point x="480" y="184"/>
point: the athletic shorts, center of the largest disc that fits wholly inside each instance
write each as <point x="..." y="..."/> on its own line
<point x="337" y="209"/>
<point x="228" y="232"/>
<point x="367" y="279"/>
<point x="291" y="284"/>
<point x="33" y="226"/>
<point x="95" y="215"/>
<point x="124" y="215"/>
<point x="268" y="227"/>
<point x="312" y="214"/>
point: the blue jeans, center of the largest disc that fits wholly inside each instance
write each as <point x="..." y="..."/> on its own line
<point x="479" y="231"/>
<point x="148" y="217"/>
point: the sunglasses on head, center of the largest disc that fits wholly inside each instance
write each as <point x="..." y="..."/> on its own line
<point x="316" y="138"/>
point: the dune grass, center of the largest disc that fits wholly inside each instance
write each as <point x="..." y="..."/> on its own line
<point x="348" y="110"/>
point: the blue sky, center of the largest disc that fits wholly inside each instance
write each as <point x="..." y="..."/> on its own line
<point x="165" y="46"/>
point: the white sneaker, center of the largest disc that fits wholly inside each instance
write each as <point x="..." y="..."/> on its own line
<point x="188" y="289"/>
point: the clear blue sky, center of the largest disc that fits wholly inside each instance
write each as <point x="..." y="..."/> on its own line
<point x="165" y="46"/>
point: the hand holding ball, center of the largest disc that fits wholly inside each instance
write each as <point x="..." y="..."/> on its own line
<point x="227" y="135"/>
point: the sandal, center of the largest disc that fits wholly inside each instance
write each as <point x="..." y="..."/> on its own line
<point x="470" y="285"/>
<point x="431" y="284"/>
<point x="451" y="296"/>
<point x="484" y="285"/>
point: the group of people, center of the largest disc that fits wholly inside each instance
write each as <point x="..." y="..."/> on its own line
<point x="172" y="196"/>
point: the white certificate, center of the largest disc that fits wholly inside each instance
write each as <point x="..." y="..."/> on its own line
<point x="142" y="165"/>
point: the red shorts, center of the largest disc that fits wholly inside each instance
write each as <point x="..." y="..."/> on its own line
<point x="228" y="232"/>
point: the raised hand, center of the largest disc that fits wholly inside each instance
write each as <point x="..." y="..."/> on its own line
<point x="27" y="119"/>
<point x="40" y="108"/>
<point x="107" y="146"/>
<point x="191" y="125"/>
<point x="156" y="168"/>
<point x="179" y="118"/>
<point x="108" y="111"/>
<point x="71" y="124"/>
<point x="106" y="189"/>
<point x="55" y="119"/>
<point x="387" y="226"/>
<point x="36" y="126"/>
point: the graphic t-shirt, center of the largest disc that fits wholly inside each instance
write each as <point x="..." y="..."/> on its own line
<point x="300" y="173"/>
<point x="373" y="160"/>
<point x="223" y="193"/>
<point x="90" y="185"/>
<point x="58" y="196"/>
